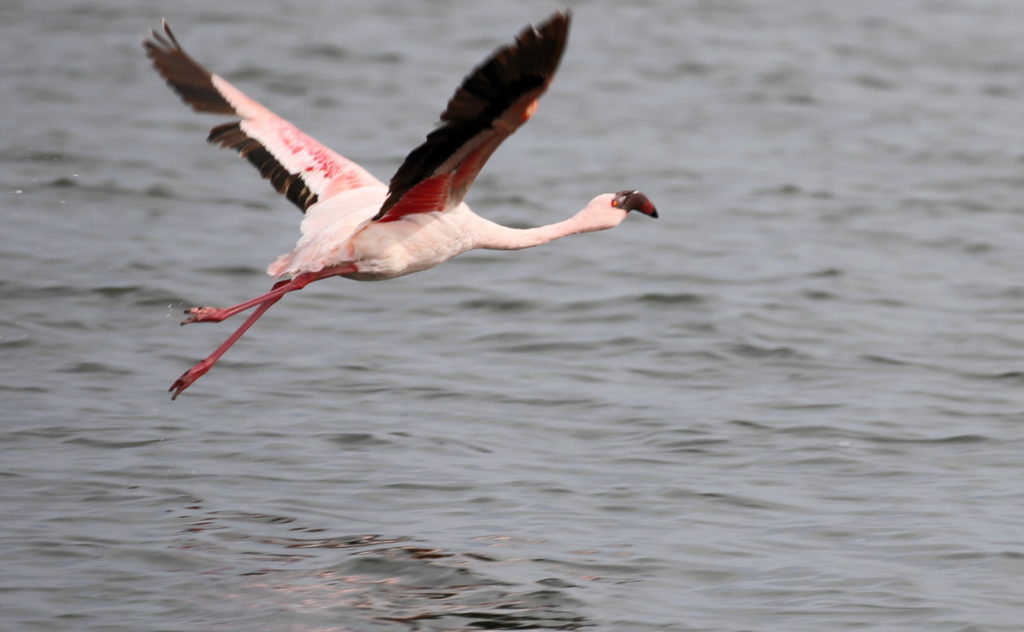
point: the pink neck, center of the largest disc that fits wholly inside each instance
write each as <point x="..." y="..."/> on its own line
<point x="497" y="237"/>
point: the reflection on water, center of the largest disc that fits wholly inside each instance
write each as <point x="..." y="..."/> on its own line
<point x="411" y="587"/>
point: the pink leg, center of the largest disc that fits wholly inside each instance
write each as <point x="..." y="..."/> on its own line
<point x="265" y="302"/>
<point x="217" y="314"/>
<point x="204" y="365"/>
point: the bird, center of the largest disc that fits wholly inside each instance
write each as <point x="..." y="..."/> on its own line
<point x="354" y="226"/>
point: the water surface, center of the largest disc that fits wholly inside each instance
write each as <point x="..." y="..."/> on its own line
<point x="792" y="403"/>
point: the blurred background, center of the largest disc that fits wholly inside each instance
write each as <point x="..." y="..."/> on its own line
<point x="791" y="403"/>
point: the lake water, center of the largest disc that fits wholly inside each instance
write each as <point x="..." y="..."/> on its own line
<point x="794" y="403"/>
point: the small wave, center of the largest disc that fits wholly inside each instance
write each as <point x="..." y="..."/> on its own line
<point x="750" y="350"/>
<point x="93" y="367"/>
<point x="677" y="298"/>
<point x="348" y="439"/>
<point x="323" y="50"/>
<point x="500" y="306"/>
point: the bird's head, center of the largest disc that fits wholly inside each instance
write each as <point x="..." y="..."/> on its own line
<point x="610" y="209"/>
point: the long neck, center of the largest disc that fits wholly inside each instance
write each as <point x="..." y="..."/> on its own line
<point x="497" y="237"/>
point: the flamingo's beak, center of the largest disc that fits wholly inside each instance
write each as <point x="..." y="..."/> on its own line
<point x="637" y="201"/>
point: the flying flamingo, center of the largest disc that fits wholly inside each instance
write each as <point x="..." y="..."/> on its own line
<point x="354" y="225"/>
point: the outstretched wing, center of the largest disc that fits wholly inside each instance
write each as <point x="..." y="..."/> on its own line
<point x="298" y="166"/>
<point x="492" y="102"/>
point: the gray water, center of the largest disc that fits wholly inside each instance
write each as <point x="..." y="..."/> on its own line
<point x="793" y="403"/>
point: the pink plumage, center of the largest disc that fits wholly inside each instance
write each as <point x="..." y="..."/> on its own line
<point x="354" y="225"/>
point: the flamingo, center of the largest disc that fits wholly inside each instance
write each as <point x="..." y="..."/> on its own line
<point x="356" y="227"/>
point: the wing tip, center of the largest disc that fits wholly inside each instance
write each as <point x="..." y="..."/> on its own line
<point x="554" y="29"/>
<point x="187" y="77"/>
<point x="524" y="67"/>
<point x="558" y="22"/>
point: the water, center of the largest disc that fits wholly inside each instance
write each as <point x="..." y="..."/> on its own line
<point x="792" y="403"/>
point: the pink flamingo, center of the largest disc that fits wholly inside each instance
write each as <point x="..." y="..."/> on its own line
<point x="354" y="225"/>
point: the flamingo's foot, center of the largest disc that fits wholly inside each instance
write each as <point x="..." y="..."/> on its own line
<point x="204" y="315"/>
<point x="189" y="377"/>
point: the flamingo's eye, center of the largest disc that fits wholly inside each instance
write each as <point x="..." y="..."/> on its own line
<point x="621" y="199"/>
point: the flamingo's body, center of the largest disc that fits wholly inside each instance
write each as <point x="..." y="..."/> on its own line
<point x="354" y="225"/>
